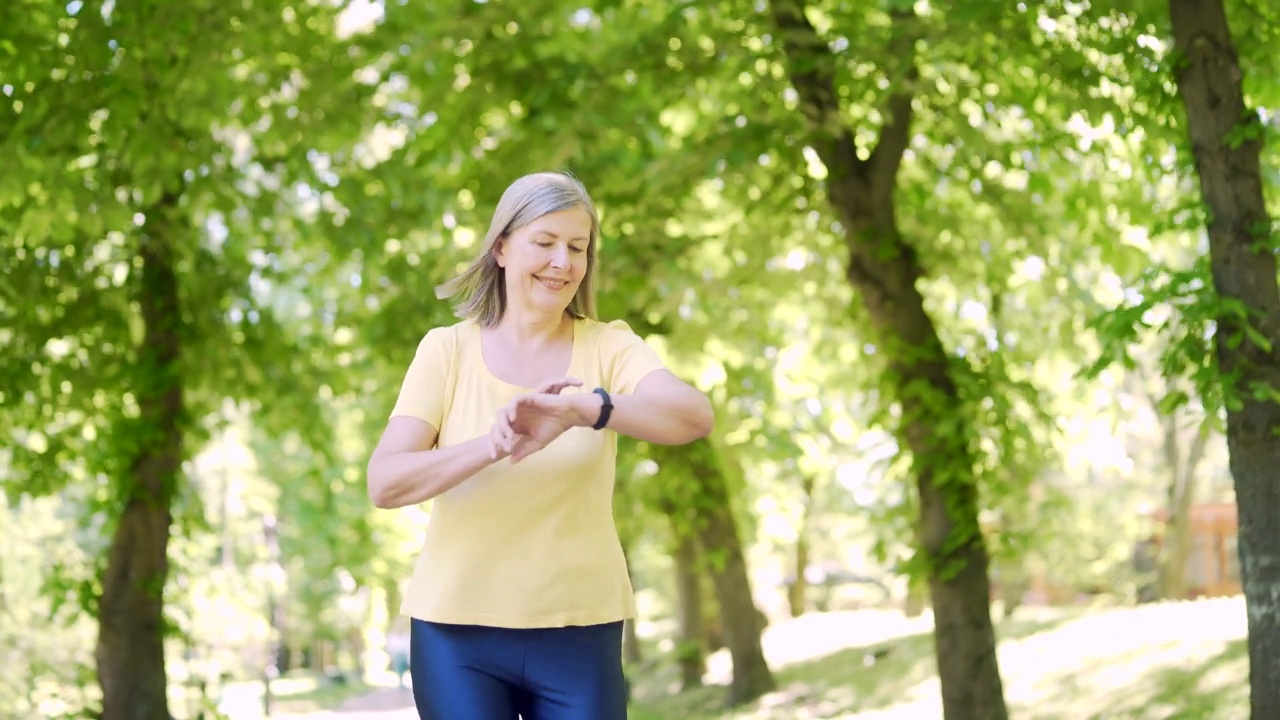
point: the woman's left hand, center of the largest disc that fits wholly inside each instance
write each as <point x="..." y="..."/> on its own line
<point x="537" y="419"/>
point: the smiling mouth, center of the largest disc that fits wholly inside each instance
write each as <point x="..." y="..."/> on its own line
<point x="553" y="284"/>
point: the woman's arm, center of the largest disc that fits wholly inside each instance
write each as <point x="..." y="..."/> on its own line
<point x="401" y="472"/>
<point x="663" y="409"/>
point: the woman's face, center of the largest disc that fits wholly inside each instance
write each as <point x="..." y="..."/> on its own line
<point x="546" y="260"/>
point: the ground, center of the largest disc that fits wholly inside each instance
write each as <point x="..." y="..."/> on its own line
<point x="1183" y="660"/>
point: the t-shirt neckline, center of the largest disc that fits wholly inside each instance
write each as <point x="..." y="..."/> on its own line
<point x="493" y="377"/>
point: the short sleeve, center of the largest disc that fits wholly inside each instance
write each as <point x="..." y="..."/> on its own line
<point x="627" y="359"/>
<point x="425" y="386"/>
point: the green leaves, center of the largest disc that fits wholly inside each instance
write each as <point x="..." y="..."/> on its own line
<point x="326" y="180"/>
<point x="1181" y="308"/>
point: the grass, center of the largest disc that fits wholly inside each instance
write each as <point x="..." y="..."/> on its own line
<point x="1183" y="661"/>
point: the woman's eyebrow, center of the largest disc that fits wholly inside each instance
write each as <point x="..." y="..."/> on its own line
<point x="554" y="236"/>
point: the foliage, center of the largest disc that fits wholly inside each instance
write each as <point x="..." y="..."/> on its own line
<point x="41" y="631"/>
<point x="327" y="165"/>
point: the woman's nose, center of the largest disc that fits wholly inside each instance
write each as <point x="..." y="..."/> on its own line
<point x="560" y="256"/>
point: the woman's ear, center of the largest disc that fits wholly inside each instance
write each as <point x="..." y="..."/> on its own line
<point x="499" y="252"/>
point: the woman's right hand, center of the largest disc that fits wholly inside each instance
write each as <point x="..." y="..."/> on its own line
<point x="502" y="438"/>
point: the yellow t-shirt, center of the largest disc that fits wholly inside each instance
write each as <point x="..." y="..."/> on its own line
<point x="533" y="544"/>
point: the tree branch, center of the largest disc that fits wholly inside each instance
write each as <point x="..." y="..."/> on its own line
<point x="812" y="73"/>
<point x="895" y="132"/>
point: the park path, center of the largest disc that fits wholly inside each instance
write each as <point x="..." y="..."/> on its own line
<point x="380" y="704"/>
<point x="384" y="703"/>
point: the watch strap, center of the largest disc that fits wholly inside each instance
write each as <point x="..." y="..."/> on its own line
<point x="606" y="409"/>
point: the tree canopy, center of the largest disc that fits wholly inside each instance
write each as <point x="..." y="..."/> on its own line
<point x="949" y="273"/>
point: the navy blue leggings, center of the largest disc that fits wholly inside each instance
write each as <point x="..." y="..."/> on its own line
<point x="470" y="672"/>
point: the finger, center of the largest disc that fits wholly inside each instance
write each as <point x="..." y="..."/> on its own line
<point x="495" y="441"/>
<point x="507" y="420"/>
<point x="502" y="431"/>
<point x="554" y="387"/>
<point x="504" y="423"/>
<point x="524" y="447"/>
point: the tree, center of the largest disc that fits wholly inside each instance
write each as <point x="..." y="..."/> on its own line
<point x="885" y="271"/>
<point x="164" y="152"/>
<point x="1226" y="142"/>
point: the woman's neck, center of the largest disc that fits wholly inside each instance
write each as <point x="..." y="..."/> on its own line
<point x="531" y="328"/>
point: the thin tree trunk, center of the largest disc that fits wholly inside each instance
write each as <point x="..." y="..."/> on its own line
<point x="712" y="621"/>
<point x="917" y="597"/>
<point x="224" y="517"/>
<point x="1014" y="583"/>
<point x="798" y="590"/>
<point x="130" y="646"/>
<point x="717" y="533"/>
<point x="1226" y="143"/>
<point x="1182" y="485"/>
<point x="393" y="598"/>
<point x="884" y="271"/>
<point x="690" y="649"/>
<point x="631" y="653"/>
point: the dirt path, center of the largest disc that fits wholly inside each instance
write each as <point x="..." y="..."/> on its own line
<point x="385" y="703"/>
<point x="381" y="704"/>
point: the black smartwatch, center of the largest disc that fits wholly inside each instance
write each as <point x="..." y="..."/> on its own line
<point x="606" y="408"/>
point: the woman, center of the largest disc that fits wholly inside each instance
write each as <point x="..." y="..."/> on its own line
<point x="509" y="420"/>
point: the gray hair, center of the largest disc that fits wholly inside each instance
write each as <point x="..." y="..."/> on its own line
<point x="481" y="292"/>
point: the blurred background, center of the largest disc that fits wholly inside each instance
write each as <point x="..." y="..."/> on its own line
<point x="910" y="250"/>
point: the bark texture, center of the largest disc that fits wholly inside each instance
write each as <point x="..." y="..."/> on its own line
<point x="1182" y="490"/>
<point x="130" y="646"/>
<point x="884" y="271"/>
<point x="798" y="588"/>
<point x="710" y="517"/>
<point x="1226" y="143"/>
<point x="690" y="650"/>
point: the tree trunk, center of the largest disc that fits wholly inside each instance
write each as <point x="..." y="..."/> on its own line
<point x="1182" y="482"/>
<point x="130" y="647"/>
<point x="1014" y="583"/>
<point x="917" y="597"/>
<point x="712" y="622"/>
<point x="717" y="533"/>
<point x="1226" y="143"/>
<point x="689" y="647"/>
<point x="884" y="271"/>
<point x="392" y="600"/>
<point x="631" y="653"/>
<point x="798" y="590"/>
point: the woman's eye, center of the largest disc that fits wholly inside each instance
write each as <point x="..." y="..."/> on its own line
<point x="577" y="250"/>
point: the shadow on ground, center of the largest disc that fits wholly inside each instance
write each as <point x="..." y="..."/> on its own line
<point x="1208" y="686"/>
<point x="1209" y="690"/>
<point x="854" y="679"/>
